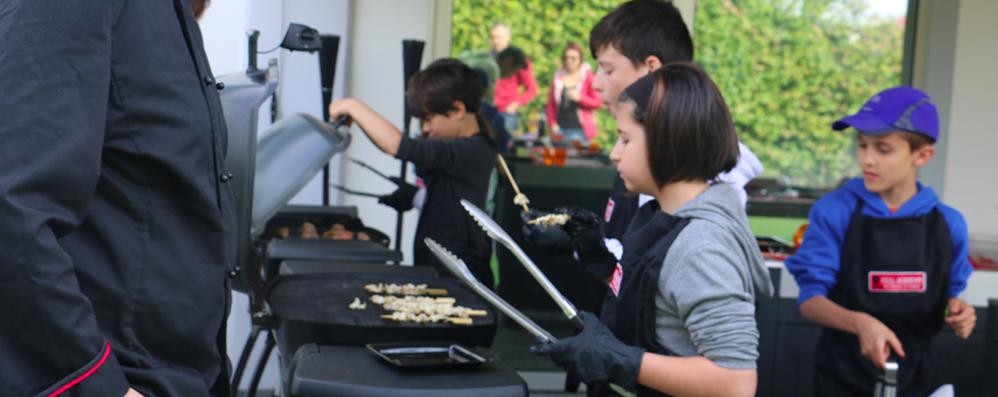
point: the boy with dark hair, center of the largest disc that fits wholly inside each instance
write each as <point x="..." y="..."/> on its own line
<point x="455" y="158"/>
<point x="631" y="41"/>
<point x="883" y="260"/>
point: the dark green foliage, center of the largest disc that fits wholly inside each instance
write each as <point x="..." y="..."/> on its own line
<point x="541" y="28"/>
<point x="787" y="68"/>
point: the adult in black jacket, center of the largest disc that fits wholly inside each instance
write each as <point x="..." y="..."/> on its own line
<point x="115" y="219"/>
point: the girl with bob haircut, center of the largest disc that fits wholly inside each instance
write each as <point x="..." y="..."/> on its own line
<point x="454" y="157"/>
<point x="680" y="315"/>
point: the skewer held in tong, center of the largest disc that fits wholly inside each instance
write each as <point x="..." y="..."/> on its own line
<point x="505" y="170"/>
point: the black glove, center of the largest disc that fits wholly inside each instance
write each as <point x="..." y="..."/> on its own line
<point x="401" y="198"/>
<point x="595" y="355"/>
<point x="585" y="229"/>
<point x="552" y="239"/>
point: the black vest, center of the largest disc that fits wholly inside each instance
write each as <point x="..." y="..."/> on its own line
<point x="620" y="209"/>
<point x="897" y="270"/>
<point x="631" y="313"/>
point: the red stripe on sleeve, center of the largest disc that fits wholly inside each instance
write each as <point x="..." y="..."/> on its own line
<point x="85" y="375"/>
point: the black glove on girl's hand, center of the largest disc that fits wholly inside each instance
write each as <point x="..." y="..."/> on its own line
<point x="552" y="239"/>
<point x="585" y="229"/>
<point x="595" y="355"/>
<point x="401" y="198"/>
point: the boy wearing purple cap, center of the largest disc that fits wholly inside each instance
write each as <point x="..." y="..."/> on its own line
<point x="883" y="260"/>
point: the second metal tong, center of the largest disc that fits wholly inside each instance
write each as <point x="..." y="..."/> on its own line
<point x="460" y="269"/>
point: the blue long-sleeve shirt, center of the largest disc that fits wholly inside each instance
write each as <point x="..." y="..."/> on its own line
<point x="816" y="263"/>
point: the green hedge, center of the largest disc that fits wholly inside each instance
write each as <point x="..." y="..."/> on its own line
<point x="787" y="68"/>
<point x="541" y="28"/>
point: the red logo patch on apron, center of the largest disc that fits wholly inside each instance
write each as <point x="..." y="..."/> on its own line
<point x="896" y="282"/>
<point x="608" y="213"/>
<point x="618" y="274"/>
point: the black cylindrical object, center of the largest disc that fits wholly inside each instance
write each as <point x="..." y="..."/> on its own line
<point x="412" y="57"/>
<point x="251" y="51"/>
<point x="328" y="53"/>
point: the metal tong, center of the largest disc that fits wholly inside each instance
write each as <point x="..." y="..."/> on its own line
<point x="354" y="192"/>
<point x="460" y="269"/>
<point x="347" y="190"/>
<point x="500" y="235"/>
<point x="372" y="169"/>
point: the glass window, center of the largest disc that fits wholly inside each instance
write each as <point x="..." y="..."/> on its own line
<point x="789" y="68"/>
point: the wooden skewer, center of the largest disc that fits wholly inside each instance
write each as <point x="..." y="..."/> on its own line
<point x="445" y="299"/>
<point x="452" y="320"/>
<point x="435" y="291"/>
<point x="505" y="169"/>
<point x="476" y="313"/>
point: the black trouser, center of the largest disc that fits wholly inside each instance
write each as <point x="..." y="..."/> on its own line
<point x="840" y="369"/>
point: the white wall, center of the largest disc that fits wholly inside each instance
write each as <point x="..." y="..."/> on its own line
<point x="972" y="154"/>
<point x="300" y="89"/>
<point x="933" y="72"/>
<point x="375" y="77"/>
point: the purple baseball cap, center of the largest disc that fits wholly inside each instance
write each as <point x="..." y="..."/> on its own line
<point x="897" y="108"/>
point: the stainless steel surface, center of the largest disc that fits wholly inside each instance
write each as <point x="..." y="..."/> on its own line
<point x="500" y="235"/>
<point x="887" y="384"/>
<point x="460" y="269"/>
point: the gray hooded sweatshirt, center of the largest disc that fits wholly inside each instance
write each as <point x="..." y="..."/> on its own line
<point x="709" y="282"/>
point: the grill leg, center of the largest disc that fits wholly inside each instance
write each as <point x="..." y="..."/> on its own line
<point x="261" y="365"/>
<point x="244" y="359"/>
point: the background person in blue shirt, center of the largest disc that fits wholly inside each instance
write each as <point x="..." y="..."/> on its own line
<point x="883" y="260"/>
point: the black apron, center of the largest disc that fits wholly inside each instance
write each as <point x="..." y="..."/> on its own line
<point x="896" y="270"/>
<point x="631" y="313"/>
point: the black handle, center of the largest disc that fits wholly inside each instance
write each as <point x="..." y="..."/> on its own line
<point x="412" y="56"/>
<point x="254" y="36"/>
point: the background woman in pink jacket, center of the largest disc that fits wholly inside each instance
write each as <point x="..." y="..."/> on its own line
<point x="572" y="99"/>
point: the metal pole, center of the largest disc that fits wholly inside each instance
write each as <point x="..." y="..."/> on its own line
<point x="412" y="57"/>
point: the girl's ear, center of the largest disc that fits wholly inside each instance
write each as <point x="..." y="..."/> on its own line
<point x="458" y="106"/>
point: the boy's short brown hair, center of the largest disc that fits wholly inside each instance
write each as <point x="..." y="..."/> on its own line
<point x="642" y="28"/>
<point x="916" y="141"/>
<point x="688" y="126"/>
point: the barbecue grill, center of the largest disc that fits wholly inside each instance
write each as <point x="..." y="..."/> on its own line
<point x="311" y="308"/>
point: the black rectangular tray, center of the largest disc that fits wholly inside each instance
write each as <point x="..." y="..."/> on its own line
<point x="422" y="355"/>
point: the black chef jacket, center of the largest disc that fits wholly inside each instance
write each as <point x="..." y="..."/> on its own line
<point x="115" y="221"/>
<point x="453" y="170"/>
